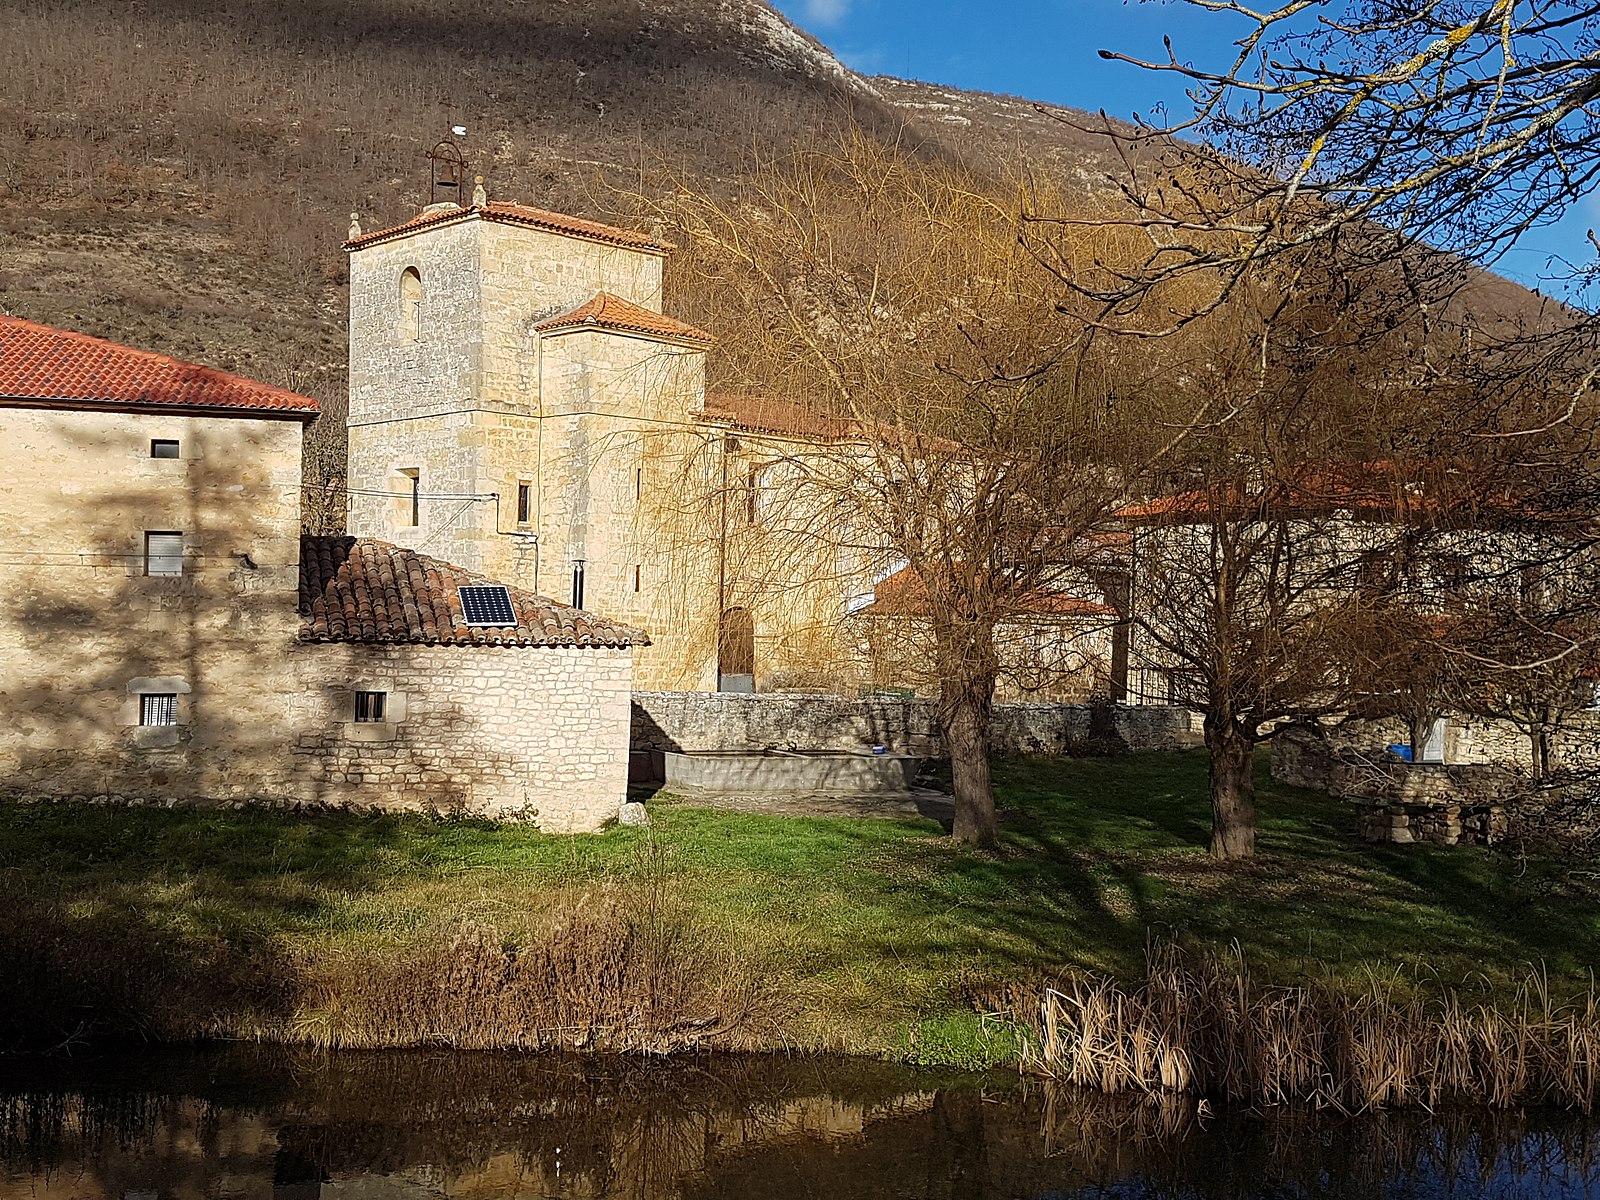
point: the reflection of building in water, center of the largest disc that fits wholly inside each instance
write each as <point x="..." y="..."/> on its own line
<point x="404" y="1126"/>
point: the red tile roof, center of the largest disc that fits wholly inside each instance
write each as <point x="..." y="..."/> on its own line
<point x="55" y="366"/>
<point x="364" y="590"/>
<point x="517" y="214"/>
<point x="606" y="311"/>
<point x="903" y="594"/>
<point x="1380" y="489"/>
<point x="760" y="414"/>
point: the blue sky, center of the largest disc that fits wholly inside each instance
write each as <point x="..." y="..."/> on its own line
<point x="1046" y="50"/>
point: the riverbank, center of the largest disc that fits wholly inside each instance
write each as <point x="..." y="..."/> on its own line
<point x="729" y="930"/>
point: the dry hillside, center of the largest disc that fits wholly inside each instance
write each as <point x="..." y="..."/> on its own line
<point x="178" y="174"/>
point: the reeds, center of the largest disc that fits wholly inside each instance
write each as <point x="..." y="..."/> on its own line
<point x="1207" y="1027"/>
<point x="623" y="968"/>
<point x="618" y="971"/>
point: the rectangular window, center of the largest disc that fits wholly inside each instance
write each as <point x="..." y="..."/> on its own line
<point x="637" y="572"/>
<point x="524" y="503"/>
<point x="577" y="584"/>
<point x="158" y="708"/>
<point x="638" y="483"/>
<point x="370" y="706"/>
<point x="752" y="497"/>
<point x="163" y="552"/>
<point x="163" y="448"/>
<point x="414" y="476"/>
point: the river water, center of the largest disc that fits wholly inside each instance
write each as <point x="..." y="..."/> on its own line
<point x="225" y="1123"/>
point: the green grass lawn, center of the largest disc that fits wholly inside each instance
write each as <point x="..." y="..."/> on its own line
<point x="869" y="926"/>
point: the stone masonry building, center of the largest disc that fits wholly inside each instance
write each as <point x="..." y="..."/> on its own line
<point x="521" y="405"/>
<point x="167" y="632"/>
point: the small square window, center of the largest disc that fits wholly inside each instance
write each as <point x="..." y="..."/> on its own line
<point x="158" y="708"/>
<point x="163" y="552"/>
<point x="370" y="707"/>
<point x="163" y="448"/>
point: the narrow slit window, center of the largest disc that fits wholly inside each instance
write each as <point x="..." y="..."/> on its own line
<point x="638" y="572"/>
<point x="577" y="585"/>
<point x="163" y="552"/>
<point x="163" y="447"/>
<point x="158" y="708"/>
<point x="370" y="707"/>
<point x="413" y="478"/>
<point x="524" y="503"/>
<point x="638" y="483"/>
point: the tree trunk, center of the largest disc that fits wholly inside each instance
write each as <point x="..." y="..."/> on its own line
<point x="966" y="737"/>
<point x="967" y="669"/>
<point x="1421" y="726"/>
<point x="1543" y="750"/>
<point x="1233" y="789"/>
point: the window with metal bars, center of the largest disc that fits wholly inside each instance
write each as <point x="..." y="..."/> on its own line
<point x="370" y="706"/>
<point x="158" y="708"/>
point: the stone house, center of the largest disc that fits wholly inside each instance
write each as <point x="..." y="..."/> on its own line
<point x="167" y="632"/>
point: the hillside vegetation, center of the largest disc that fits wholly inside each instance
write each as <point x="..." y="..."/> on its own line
<point x="178" y="174"/>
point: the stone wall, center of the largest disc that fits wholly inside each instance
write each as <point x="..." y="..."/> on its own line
<point x="1399" y="801"/>
<point x="1476" y="741"/>
<point x="725" y="721"/>
<point x="521" y="733"/>
<point x="513" y="732"/>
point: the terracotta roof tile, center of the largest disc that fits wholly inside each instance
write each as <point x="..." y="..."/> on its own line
<point x="364" y="590"/>
<point x="55" y="365"/>
<point x="517" y="214"/>
<point x="606" y="311"/>
<point x="760" y="414"/>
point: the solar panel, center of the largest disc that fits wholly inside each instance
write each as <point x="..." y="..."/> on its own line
<point x="487" y="604"/>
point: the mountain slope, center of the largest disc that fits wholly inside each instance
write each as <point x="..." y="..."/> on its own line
<point x="178" y="173"/>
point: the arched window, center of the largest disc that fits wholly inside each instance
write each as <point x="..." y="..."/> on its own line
<point x="736" y="652"/>
<point x="411" y="305"/>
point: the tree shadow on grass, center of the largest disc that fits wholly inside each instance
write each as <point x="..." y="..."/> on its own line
<point x="170" y="924"/>
<point x="1099" y="856"/>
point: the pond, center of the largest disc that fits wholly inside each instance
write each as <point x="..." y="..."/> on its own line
<point x="264" y="1123"/>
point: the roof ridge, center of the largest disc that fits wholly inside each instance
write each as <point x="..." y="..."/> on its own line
<point x="515" y="213"/>
<point x="41" y="362"/>
<point x="630" y="317"/>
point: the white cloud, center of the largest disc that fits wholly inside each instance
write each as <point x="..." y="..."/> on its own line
<point x="827" y="12"/>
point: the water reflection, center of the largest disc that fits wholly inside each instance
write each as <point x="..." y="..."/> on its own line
<point x="260" y="1124"/>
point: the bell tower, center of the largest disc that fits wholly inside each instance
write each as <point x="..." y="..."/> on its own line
<point x="508" y="367"/>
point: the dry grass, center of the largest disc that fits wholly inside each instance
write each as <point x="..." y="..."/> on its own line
<point x="1206" y="1026"/>
<point x="624" y="968"/>
<point x="627" y="970"/>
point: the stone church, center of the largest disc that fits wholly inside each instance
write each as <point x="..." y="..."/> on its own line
<point x="511" y="376"/>
<point x="521" y="405"/>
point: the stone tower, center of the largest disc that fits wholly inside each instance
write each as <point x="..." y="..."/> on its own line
<point x="509" y="368"/>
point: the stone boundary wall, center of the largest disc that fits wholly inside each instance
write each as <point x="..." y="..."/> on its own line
<point x="1399" y="801"/>
<point x="903" y="725"/>
<point x="1471" y="741"/>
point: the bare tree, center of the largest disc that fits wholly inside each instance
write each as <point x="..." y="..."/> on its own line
<point x="982" y="435"/>
<point x="1459" y="124"/>
<point x="1257" y="569"/>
